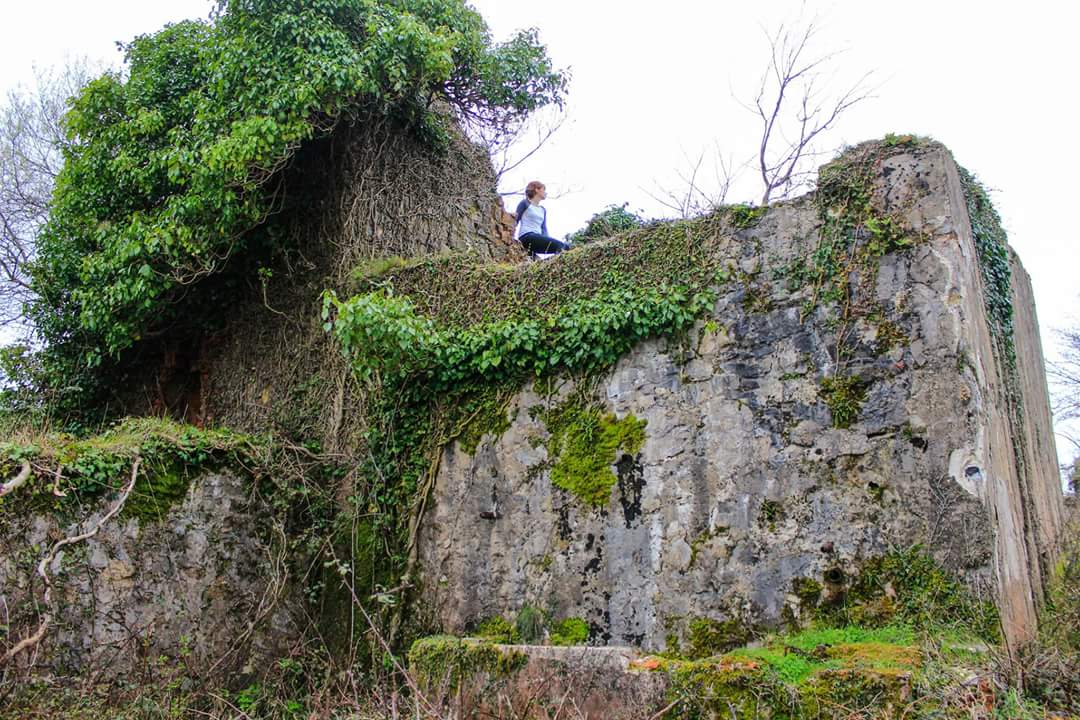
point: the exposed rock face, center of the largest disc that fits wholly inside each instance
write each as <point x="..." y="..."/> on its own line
<point x="743" y="484"/>
<point x="200" y="586"/>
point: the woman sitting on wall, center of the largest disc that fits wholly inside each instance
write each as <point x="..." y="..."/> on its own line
<point x="532" y="222"/>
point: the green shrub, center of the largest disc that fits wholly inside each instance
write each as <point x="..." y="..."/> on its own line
<point x="612" y="220"/>
<point x="497" y="629"/>
<point x="909" y="588"/>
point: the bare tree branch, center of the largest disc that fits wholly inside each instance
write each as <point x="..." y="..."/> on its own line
<point x="793" y="109"/>
<point x="18" y="481"/>
<point x="693" y="195"/>
<point x="1065" y="375"/>
<point x="511" y="146"/>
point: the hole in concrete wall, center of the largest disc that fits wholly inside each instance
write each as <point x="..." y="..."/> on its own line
<point x="835" y="576"/>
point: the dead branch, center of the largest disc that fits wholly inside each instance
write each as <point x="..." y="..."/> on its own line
<point x="18" y="481"/>
<point x="694" y="196"/>
<point x="43" y="566"/>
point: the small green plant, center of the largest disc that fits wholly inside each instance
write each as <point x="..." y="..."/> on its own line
<point x="772" y="513"/>
<point x="744" y="216"/>
<point x="571" y="631"/>
<point x="899" y="140"/>
<point x="248" y="698"/>
<point x="529" y="624"/>
<point x="808" y="591"/>
<point x="889" y="335"/>
<point x="844" y="394"/>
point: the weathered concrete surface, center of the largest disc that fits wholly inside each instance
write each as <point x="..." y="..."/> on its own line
<point x="1043" y="481"/>
<point x="199" y="587"/>
<point x="567" y="682"/>
<point x="742" y="485"/>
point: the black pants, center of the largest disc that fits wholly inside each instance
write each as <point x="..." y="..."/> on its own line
<point x="537" y="243"/>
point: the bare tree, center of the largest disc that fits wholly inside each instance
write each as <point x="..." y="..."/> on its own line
<point x="31" y="155"/>
<point x="1064" y="376"/>
<point x="795" y="107"/>
<point x="510" y="146"/>
<point x="697" y="194"/>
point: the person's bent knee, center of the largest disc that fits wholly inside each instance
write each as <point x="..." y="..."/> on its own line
<point x="537" y="243"/>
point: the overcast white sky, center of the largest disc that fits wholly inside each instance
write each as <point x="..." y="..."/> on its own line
<point x="653" y="84"/>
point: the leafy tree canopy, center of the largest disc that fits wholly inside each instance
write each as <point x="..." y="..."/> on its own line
<point x="173" y="163"/>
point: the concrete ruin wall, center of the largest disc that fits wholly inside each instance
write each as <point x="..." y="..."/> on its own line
<point x="742" y="485"/>
<point x="205" y="584"/>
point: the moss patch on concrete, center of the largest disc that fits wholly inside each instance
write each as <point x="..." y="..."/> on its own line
<point x="448" y="661"/>
<point x="571" y="631"/>
<point x="813" y="674"/>
<point x="497" y="629"/>
<point x="706" y="637"/>
<point x="67" y="470"/>
<point x="585" y="443"/>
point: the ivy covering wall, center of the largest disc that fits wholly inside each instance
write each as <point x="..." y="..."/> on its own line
<point x="176" y="163"/>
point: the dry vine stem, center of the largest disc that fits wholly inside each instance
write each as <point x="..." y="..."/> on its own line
<point x="386" y="646"/>
<point x="43" y="567"/>
<point x="18" y="481"/>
